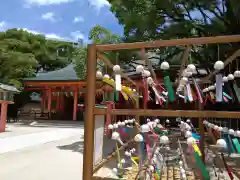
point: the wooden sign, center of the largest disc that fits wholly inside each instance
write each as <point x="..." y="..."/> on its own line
<point x="98" y="138"/>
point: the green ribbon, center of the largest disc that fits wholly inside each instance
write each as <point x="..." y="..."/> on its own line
<point x="202" y="167"/>
<point x="116" y="96"/>
<point x="168" y="85"/>
<point x="236" y="144"/>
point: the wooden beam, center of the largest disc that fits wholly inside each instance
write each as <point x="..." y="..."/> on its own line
<point x="226" y="62"/>
<point x="171" y="113"/>
<point x="110" y="65"/>
<point x="173" y="42"/>
<point x="45" y="83"/>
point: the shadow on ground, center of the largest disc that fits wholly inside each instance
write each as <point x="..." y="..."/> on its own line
<point x="74" y="147"/>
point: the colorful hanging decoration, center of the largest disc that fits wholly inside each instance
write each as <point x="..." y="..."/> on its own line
<point x="218" y="66"/>
<point x="167" y="82"/>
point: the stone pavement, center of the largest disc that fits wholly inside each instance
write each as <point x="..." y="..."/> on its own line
<point x="41" y="152"/>
<point x="14" y="143"/>
<point x="60" y="160"/>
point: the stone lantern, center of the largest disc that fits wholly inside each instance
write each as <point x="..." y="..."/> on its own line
<point x="6" y="97"/>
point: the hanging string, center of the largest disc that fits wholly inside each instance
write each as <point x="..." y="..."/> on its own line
<point x="237" y="63"/>
<point x="218" y="50"/>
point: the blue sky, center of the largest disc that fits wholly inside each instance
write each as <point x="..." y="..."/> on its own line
<point x="61" y="19"/>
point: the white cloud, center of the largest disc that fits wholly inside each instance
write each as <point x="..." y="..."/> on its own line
<point x="31" y="31"/>
<point x="78" y="19"/>
<point x="48" y="35"/>
<point x="99" y="3"/>
<point x="2" y="24"/>
<point x="77" y="35"/>
<point x="49" y="16"/>
<point x="53" y="36"/>
<point x="45" y="2"/>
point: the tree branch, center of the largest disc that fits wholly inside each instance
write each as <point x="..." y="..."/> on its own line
<point x="188" y="13"/>
<point x="205" y="16"/>
<point x="220" y="17"/>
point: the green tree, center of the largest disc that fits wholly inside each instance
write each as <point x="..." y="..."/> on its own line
<point x="145" y="20"/>
<point x="23" y="54"/>
<point x="98" y="35"/>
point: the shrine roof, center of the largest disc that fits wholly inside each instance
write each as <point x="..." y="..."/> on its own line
<point x="4" y="87"/>
<point x="65" y="74"/>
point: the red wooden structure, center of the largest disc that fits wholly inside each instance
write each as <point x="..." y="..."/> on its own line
<point x="6" y="97"/>
<point x="58" y="86"/>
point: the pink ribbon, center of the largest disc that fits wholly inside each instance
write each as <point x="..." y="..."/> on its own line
<point x="198" y="91"/>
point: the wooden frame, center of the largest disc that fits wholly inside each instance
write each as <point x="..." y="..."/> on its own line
<point x="90" y="99"/>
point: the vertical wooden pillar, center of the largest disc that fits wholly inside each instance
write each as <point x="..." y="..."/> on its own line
<point x="49" y="102"/>
<point x="3" y="117"/>
<point x="75" y="104"/>
<point x="58" y="103"/>
<point x="89" y="120"/>
<point x="61" y="105"/>
<point x="202" y="132"/>
<point x="110" y="106"/>
<point x="43" y="101"/>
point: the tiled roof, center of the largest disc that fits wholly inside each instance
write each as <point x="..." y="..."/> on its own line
<point x="4" y="87"/>
<point x="66" y="74"/>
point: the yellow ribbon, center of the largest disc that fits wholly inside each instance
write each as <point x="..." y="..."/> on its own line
<point x="134" y="161"/>
<point x="118" y="154"/>
<point x="196" y="149"/>
<point x="125" y="89"/>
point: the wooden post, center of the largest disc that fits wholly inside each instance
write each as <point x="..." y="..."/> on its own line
<point x="75" y="104"/>
<point x="49" y="103"/>
<point x="110" y="105"/>
<point x="43" y="101"/>
<point x="89" y="120"/>
<point x="3" y="116"/>
<point x="202" y="132"/>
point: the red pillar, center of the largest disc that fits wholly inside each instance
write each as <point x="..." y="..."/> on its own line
<point x="43" y="101"/>
<point x="75" y="104"/>
<point x="110" y="106"/>
<point x="49" y="102"/>
<point x="3" y="116"/>
<point x="62" y="102"/>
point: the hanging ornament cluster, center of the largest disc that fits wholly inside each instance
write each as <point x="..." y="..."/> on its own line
<point x="184" y="89"/>
<point x="127" y="93"/>
<point x="225" y="87"/>
<point x="128" y="122"/>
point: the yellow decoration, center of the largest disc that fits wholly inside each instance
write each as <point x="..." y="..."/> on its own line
<point x="156" y="176"/>
<point x="125" y="96"/>
<point x="196" y="149"/>
<point x="134" y="161"/>
<point x="125" y="89"/>
<point x="118" y="154"/>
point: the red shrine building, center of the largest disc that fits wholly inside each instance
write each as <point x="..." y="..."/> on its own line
<point x="62" y="92"/>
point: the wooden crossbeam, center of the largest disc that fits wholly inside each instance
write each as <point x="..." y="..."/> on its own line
<point x="170" y="113"/>
<point x="173" y="42"/>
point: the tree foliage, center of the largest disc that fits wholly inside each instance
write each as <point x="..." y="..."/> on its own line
<point x="23" y="54"/>
<point x="145" y="20"/>
<point x="98" y="35"/>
